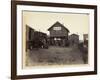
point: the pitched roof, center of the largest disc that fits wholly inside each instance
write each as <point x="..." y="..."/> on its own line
<point x="74" y="34"/>
<point x="58" y="23"/>
<point x="30" y="27"/>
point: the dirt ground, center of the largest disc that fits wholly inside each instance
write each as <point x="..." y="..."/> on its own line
<point x="54" y="56"/>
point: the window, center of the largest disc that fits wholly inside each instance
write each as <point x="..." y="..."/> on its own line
<point x="56" y="28"/>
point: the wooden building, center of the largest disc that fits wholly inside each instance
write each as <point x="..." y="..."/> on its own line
<point x="58" y="34"/>
<point x="73" y="39"/>
<point x="85" y="37"/>
<point x="35" y="39"/>
<point x="29" y="33"/>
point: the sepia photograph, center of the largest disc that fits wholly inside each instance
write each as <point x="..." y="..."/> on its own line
<point x="52" y="39"/>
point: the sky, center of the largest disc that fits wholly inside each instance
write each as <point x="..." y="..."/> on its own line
<point x="41" y="21"/>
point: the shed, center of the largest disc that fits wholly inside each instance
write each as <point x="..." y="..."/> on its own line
<point x="73" y="39"/>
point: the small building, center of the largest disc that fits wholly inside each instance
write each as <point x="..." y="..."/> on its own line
<point x="73" y="39"/>
<point x="85" y="37"/>
<point x="58" y="34"/>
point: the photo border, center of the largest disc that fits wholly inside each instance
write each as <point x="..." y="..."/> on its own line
<point x="14" y="39"/>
